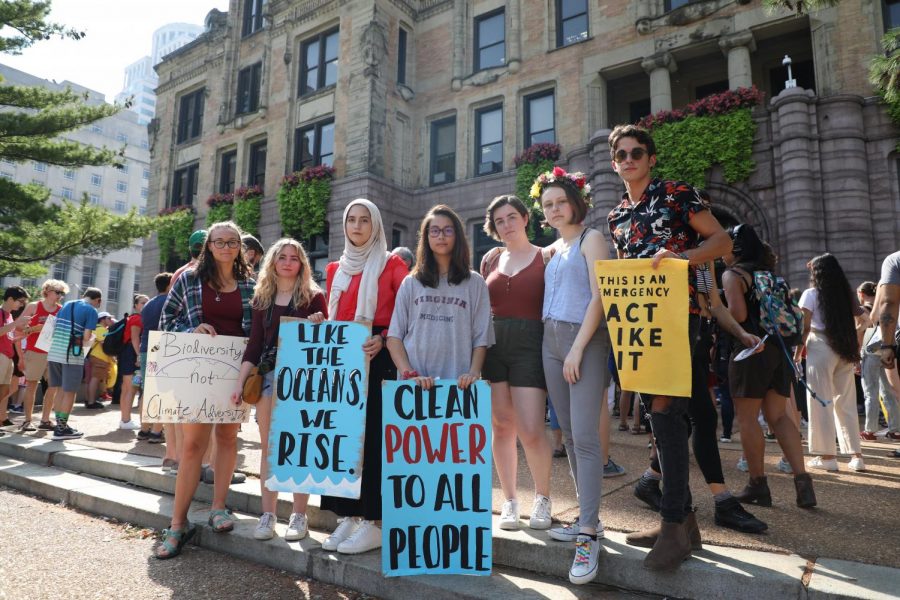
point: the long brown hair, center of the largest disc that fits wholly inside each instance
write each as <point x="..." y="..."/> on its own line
<point x="206" y="265"/>
<point x="426" y="269"/>
<point x="835" y="296"/>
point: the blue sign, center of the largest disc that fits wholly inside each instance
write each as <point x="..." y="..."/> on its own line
<point x="319" y="418"/>
<point x="436" y="479"/>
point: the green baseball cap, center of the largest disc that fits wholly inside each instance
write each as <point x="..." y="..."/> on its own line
<point x="198" y="237"/>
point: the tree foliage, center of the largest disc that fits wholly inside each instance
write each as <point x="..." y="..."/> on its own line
<point x="800" y="6"/>
<point x="33" y="121"/>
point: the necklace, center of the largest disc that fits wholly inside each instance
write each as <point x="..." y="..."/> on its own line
<point x="217" y="296"/>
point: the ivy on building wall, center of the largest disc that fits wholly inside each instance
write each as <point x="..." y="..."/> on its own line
<point x="716" y="130"/>
<point x="303" y="201"/>
<point x="174" y="233"/>
<point x="220" y="207"/>
<point x="884" y="73"/>
<point x="247" y="209"/>
<point x="533" y="161"/>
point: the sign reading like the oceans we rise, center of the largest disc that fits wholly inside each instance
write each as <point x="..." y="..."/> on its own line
<point x="319" y="419"/>
<point x="190" y="378"/>
<point x="436" y="479"/>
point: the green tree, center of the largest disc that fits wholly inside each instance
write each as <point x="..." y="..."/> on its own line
<point x="800" y="6"/>
<point x="34" y="231"/>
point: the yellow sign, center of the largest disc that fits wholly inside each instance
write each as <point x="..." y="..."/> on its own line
<point x="647" y="314"/>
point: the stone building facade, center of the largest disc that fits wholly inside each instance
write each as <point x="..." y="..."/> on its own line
<point x="420" y="102"/>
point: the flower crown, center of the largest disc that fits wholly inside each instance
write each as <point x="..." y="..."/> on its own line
<point x="558" y="173"/>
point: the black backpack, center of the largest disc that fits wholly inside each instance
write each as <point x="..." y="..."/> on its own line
<point x="115" y="337"/>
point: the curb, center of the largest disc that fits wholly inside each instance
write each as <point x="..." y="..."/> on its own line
<point x="133" y="488"/>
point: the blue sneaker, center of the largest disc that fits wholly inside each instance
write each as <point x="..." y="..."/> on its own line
<point x="611" y="469"/>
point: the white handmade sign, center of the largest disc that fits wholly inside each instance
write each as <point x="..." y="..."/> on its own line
<point x="190" y="378"/>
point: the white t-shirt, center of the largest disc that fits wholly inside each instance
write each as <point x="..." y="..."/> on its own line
<point x="810" y="301"/>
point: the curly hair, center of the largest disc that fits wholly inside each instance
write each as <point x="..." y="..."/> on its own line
<point x="835" y="296"/>
<point x="305" y="288"/>
<point x="206" y="264"/>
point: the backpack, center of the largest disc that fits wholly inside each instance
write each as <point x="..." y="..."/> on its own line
<point x="779" y="313"/>
<point x="115" y="337"/>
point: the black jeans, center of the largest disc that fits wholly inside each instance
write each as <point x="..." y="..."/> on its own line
<point x="671" y="429"/>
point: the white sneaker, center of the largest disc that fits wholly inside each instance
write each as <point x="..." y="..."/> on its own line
<point x="569" y="533"/>
<point x="129" y="425"/>
<point x="265" y="529"/>
<point x="344" y="530"/>
<point x="366" y="537"/>
<point x="509" y="515"/>
<point x="742" y="465"/>
<point x="297" y="527"/>
<point x="585" y="566"/>
<point x="820" y="463"/>
<point x="784" y="466"/>
<point x="857" y="464"/>
<point x="541" y="517"/>
<point x="725" y="440"/>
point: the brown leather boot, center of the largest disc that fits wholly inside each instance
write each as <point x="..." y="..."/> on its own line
<point x="647" y="539"/>
<point x="672" y="547"/>
<point x="756" y="492"/>
<point x="806" y="495"/>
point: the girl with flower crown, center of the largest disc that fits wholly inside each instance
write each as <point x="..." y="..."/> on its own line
<point x="575" y="348"/>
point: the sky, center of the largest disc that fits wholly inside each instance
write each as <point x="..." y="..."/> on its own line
<point x="118" y="32"/>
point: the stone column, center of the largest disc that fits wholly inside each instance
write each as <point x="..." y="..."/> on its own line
<point x="797" y="184"/>
<point x="737" y="48"/>
<point x="606" y="186"/>
<point x="598" y="111"/>
<point x="459" y="43"/>
<point x="659" y="66"/>
<point x="514" y="38"/>
<point x="848" y="214"/>
<point x="126" y="287"/>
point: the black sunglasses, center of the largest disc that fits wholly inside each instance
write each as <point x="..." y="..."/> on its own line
<point x="622" y="155"/>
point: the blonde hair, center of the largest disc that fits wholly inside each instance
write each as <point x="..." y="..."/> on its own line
<point x="305" y="288"/>
<point x="54" y="284"/>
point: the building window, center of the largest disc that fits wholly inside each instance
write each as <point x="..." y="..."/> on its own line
<point x="115" y="282"/>
<point x="803" y="71"/>
<point x="146" y="173"/>
<point x="120" y="206"/>
<point x="401" y="56"/>
<point x="539" y="119"/>
<point x="248" y="89"/>
<point x="890" y="9"/>
<point x="121" y="187"/>
<point x="96" y="128"/>
<point x="571" y="22"/>
<point x="6" y="175"/>
<point x="673" y="4"/>
<point x="490" y="40"/>
<point x="95" y="199"/>
<point x="489" y="140"/>
<point x="68" y="193"/>
<point x="190" y="116"/>
<point x="123" y="167"/>
<point x="253" y="16"/>
<point x="88" y="272"/>
<point x="443" y="151"/>
<point x="96" y="179"/>
<point x="396" y="237"/>
<point x="227" y="172"/>
<point x="481" y="242"/>
<point x="40" y="167"/>
<point x="60" y="270"/>
<point x="145" y="145"/>
<point x="257" y="172"/>
<point x="121" y="137"/>
<point x="144" y="193"/>
<point x="717" y="87"/>
<point x="314" y="145"/>
<point x="319" y="62"/>
<point x="69" y="173"/>
<point x="184" y="185"/>
<point x="638" y="109"/>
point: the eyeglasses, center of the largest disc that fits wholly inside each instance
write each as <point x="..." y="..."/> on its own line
<point x="60" y="292"/>
<point x="448" y="232"/>
<point x="622" y="155"/>
<point x="230" y="243"/>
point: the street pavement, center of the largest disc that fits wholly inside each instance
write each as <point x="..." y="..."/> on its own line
<point x="53" y="552"/>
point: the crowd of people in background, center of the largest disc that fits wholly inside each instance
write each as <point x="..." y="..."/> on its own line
<point x="529" y="320"/>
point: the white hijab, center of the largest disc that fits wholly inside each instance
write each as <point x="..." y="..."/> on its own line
<point x="368" y="259"/>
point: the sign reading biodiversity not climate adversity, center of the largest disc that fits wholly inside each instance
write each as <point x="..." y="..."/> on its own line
<point x="190" y="378"/>
<point x="436" y="479"/>
<point x="647" y="314"/>
<point x="319" y="419"/>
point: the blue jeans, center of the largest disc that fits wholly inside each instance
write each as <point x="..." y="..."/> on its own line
<point x="874" y="380"/>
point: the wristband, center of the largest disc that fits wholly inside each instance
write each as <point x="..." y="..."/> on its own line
<point x="409" y="374"/>
<point x="383" y="334"/>
<point x="891" y="346"/>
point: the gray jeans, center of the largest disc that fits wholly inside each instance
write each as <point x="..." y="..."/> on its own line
<point x="874" y="380"/>
<point x="578" y="409"/>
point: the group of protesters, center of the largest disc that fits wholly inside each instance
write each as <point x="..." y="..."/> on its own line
<point x="531" y="321"/>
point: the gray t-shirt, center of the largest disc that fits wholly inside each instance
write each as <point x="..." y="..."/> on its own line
<point x="441" y="326"/>
<point x="890" y="270"/>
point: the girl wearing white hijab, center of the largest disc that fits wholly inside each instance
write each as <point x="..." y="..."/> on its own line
<point x="362" y="286"/>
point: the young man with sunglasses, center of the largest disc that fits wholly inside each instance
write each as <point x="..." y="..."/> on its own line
<point x="664" y="219"/>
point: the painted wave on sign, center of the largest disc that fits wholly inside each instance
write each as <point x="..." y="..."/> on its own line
<point x="326" y="487"/>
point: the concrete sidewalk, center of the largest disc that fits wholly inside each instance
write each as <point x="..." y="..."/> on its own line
<point x="856" y="514"/>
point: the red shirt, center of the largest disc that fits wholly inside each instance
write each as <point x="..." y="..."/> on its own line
<point x="388" y="283"/>
<point x="520" y="296"/>
<point x="133" y="320"/>
<point x="6" y="343"/>
<point x="227" y="315"/>
<point x="38" y="318"/>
